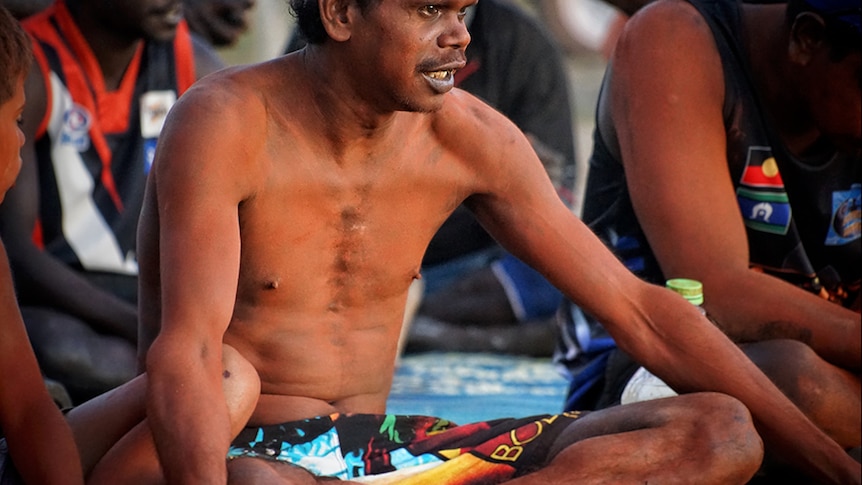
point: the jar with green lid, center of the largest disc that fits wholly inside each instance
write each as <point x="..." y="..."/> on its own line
<point x="691" y="290"/>
<point x="644" y="385"/>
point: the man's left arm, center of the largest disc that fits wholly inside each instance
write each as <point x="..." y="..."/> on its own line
<point x="656" y="327"/>
<point x="541" y="106"/>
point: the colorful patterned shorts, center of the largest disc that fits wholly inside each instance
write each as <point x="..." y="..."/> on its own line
<point x="407" y="449"/>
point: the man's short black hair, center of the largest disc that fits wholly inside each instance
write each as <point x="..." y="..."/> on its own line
<point x="307" y="15"/>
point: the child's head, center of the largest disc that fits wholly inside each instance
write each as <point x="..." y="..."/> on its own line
<point x="15" y="54"/>
<point x="15" y="59"/>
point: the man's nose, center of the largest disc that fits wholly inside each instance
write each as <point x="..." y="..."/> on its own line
<point x="455" y="35"/>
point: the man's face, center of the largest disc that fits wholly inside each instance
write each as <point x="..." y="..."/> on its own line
<point x="407" y="51"/>
<point x="11" y="138"/>
<point x="220" y="22"/>
<point x="151" y="19"/>
<point x="835" y="99"/>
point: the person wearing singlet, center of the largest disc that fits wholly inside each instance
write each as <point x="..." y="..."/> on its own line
<point x="727" y="150"/>
<point x="105" y="76"/>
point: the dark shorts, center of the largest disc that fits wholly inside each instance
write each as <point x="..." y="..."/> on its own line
<point x="8" y="474"/>
<point x="433" y="449"/>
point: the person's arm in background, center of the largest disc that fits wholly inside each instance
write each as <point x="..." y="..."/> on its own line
<point x="40" y="278"/>
<point x="207" y="60"/>
<point x="538" y="100"/>
<point x="520" y="70"/>
<point x="672" y="142"/>
<point x="39" y="440"/>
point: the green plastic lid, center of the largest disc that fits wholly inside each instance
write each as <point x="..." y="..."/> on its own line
<point x="691" y="290"/>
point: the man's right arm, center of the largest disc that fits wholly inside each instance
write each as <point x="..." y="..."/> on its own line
<point x="39" y="276"/>
<point x="199" y="181"/>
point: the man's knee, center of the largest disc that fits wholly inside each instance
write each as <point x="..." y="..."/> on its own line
<point x="247" y="470"/>
<point x="67" y="348"/>
<point x="781" y="353"/>
<point x="725" y="428"/>
<point x="790" y="364"/>
<point x="241" y="386"/>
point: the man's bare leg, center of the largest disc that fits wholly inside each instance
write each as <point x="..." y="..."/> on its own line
<point x="828" y="395"/>
<point x="113" y="437"/>
<point x="706" y="435"/>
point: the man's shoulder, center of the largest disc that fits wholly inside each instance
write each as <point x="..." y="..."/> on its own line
<point x="666" y="34"/>
<point x="473" y="128"/>
<point x="668" y="15"/>
<point x="465" y="116"/>
<point x="464" y="107"/>
<point x="233" y="87"/>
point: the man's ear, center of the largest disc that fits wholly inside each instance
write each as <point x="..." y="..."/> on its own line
<point x="336" y="18"/>
<point x="807" y="35"/>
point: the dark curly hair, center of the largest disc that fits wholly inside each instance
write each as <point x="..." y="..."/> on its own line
<point x="307" y="15"/>
<point x="15" y="54"/>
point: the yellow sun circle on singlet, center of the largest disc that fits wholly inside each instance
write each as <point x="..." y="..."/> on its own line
<point x="770" y="167"/>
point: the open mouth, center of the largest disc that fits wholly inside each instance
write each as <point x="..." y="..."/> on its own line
<point x="171" y="13"/>
<point x="441" y="81"/>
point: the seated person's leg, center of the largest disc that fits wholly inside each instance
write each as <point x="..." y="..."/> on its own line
<point x="505" y="298"/>
<point x="87" y="363"/>
<point x="254" y="471"/>
<point x="475" y="299"/>
<point x="112" y="433"/>
<point x="706" y="435"/>
<point x="827" y="394"/>
<point x="505" y="291"/>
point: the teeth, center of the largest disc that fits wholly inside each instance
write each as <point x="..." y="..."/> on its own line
<point x="439" y="74"/>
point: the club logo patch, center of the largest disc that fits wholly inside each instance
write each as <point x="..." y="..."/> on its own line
<point x="155" y="106"/>
<point x="764" y="211"/>
<point x="761" y="196"/>
<point x="846" y="223"/>
<point x="761" y="169"/>
<point x="154" y="110"/>
<point x="76" y="126"/>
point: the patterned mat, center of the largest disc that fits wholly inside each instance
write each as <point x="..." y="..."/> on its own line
<point x="469" y="387"/>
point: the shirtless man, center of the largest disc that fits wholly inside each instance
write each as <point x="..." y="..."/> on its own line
<point x="290" y="221"/>
<point x="106" y="73"/>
